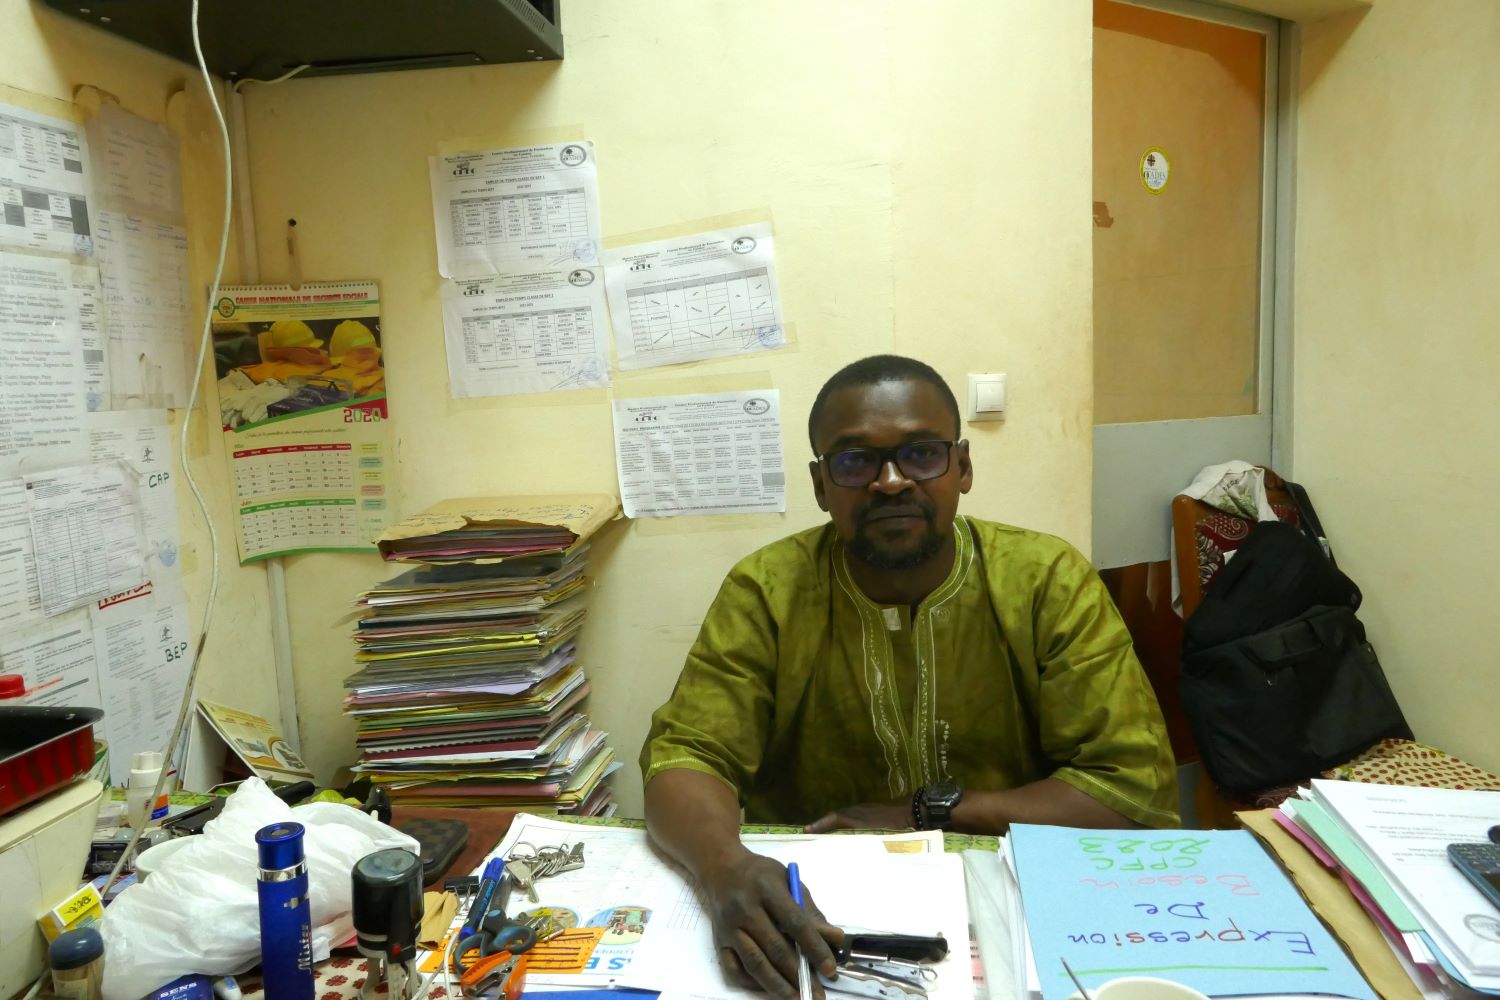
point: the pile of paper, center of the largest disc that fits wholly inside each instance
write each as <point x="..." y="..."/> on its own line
<point x="1389" y="844"/>
<point x="470" y="691"/>
<point x="1206" y="908"/>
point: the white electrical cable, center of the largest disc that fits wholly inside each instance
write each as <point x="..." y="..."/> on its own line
<point x="280" y="79"/>
<point x="184" y="710"/>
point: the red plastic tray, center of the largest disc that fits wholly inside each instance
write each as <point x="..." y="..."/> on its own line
<point x="42" y="749"/>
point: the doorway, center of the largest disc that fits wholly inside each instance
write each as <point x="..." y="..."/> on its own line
<point x="1186" y="165"/>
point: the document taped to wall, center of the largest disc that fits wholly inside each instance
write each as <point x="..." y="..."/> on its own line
<point x="501" y="210"/>
<point x="531" y="331"/>
<point x="716" y="453"/>
<point x="305" y="417"/>
<point x="45" y="183"/>
<point x="690" y="298"/>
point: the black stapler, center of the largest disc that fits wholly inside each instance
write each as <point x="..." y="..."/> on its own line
<point x="886" y="966"/>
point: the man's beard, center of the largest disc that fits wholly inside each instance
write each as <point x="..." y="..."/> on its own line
<point x="872" y="553"/>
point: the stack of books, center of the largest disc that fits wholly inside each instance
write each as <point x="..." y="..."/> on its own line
<point x="470" y="691"/>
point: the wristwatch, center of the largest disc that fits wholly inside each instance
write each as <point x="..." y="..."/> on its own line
<point x="932" y="806"/>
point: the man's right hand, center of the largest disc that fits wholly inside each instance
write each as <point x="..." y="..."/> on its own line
<point x="758" y="927"/>
<point x="695" y="818"/>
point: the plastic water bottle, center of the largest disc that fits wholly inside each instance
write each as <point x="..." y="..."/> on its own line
<point x="285" y="914"/>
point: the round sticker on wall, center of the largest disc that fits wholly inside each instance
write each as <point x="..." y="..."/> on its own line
<point x="1155" y="170"/>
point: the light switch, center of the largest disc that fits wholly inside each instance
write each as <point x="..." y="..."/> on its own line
<point x="987" y="396"/>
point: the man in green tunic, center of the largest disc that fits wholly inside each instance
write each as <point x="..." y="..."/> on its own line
<point x="902" y="666"/>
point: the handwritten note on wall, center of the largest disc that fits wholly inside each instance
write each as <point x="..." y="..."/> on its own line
<point x="1207" y="908"/>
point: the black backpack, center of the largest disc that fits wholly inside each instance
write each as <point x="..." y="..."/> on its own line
<point x="1278" y="682"/>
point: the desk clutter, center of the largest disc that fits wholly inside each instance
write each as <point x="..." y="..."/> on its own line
<point x="589" y="906"/>
<point x="470" y="688"/>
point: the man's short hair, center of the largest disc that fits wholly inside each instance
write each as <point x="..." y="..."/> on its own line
<point x="872" y="371"/>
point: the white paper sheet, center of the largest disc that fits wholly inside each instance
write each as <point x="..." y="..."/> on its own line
<point x="1407" y="831"/>
<point x="142" y="440"/>
<point x="708" y="295"/>
<point x="41" y="365"/>
<point x="44" y="183"/>
<point x="532" y="331"/>
<point x="85" y="534"/>
<point x="91" y="342"/>
<point x="143" y="268"/>
<point x="511" y="209"/>
<point x="19" y="600"/>
<point x="716" y="453"/>
<point x="142" y="651"/>
<point x="56" y="659"/>
<point x="627" y="894"/>
<point x="137" y="164"/>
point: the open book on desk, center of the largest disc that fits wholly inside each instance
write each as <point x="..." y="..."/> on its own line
<point x="1207" y="908"/>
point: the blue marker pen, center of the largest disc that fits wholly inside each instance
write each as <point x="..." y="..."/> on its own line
<point x="285" y="915"/>
<point x="804" y="970"/>
<point x="489" y="881"/>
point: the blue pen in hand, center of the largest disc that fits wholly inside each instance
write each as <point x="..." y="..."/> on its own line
<point x="804" y="970"/>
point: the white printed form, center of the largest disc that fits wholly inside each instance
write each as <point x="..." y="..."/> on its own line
<point x="531" y="331"/>
<point x="19" y="600"/>
<point x="141" y="439"/>
<point x="85" y="534"/>
<point x="142" y="652"/>
<point x="143" y="268"/>
<point x="504" y="210"/>
<point x="709" y="295"/>
<point x="91" y="337"/>
<point x="56" y="659"/>
<point x="137" y="165"/>
<point x="41" y="365"/>
<point x="44" y="183"/>
<point x="718" y="453"/>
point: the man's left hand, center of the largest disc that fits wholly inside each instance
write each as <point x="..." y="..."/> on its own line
<point x="866" y="816"/>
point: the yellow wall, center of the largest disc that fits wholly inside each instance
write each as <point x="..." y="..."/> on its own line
<point x="929" y="196"/>
<point x="45" y="54"/>
<point x="1397" y="342"/>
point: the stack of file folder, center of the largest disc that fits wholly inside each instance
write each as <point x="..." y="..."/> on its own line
<point x="470" y="692"/>
<point x="1389" y="845"/>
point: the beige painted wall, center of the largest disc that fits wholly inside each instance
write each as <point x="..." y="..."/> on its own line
<point x="45" y="54"/>
<point x="928" y="196"/>
<point x="1397" y="342"/>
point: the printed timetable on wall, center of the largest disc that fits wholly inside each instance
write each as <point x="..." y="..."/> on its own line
<point x="692" y="298"/>
<point x="500" y="210"/>
<point x="531" y="331"/>
<point x="44" y="183"/>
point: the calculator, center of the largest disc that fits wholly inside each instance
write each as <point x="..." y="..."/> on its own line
<point x="1480" y="863"/>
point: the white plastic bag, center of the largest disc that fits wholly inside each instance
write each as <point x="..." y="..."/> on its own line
<point x="198" y="913"/>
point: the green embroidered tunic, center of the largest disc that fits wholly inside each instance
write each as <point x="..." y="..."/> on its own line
<point x="805" y="696"/>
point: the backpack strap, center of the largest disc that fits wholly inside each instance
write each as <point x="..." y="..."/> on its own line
<point x="1307" y="517"/>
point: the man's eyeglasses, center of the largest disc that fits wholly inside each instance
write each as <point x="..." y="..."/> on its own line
<point x="918" y="460"/>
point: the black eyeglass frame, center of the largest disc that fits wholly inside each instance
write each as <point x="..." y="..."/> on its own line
<point x="889" y="455"/>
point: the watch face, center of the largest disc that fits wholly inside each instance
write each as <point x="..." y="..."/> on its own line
<point x="944" y="793"/>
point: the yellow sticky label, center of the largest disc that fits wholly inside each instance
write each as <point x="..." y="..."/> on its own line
<point x="79" y="910"/>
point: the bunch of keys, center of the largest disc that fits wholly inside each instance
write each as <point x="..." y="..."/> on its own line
<point x="526" y="864"/>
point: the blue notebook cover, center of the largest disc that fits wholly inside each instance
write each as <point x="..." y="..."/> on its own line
<point x="1206" y="908"/>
